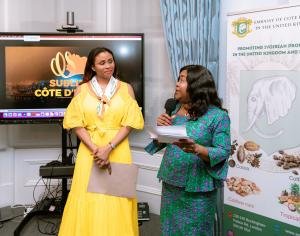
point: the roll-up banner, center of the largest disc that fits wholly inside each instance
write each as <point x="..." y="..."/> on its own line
<point x="262" y="190"/>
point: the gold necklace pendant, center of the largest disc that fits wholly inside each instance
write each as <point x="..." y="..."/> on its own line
<point x="184" y="111"/>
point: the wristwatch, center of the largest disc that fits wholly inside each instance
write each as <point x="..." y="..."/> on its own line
<point x="113" y="146"/>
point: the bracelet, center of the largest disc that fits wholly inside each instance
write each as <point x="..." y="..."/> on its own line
<point x="113" y="146"/>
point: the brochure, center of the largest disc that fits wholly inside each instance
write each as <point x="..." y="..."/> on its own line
<point x="167" y="134"/>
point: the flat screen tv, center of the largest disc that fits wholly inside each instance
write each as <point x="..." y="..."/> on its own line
<point x="39" y="71"/>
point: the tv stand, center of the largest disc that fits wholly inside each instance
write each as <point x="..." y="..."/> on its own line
<point x="63" y="171"/>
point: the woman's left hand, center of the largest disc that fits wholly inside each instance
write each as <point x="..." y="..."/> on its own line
<point x="187" y="145"/>
<point x="101" y="155"/>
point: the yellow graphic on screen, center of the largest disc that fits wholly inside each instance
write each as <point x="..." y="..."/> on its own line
<point x="72" y="63"/>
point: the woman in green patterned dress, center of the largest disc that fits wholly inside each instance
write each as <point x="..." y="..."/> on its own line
<point x="192" y="169"/>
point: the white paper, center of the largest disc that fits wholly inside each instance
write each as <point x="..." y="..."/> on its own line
<point x="167" y="134"/>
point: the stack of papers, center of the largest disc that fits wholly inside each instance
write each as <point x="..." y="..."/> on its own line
<point x="167" y="134"/>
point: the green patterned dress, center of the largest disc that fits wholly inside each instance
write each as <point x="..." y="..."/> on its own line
<point x="189" y="193"/>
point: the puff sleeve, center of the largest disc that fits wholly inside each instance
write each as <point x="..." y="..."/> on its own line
<point x="74" y="116"/>
<point x="133" y="116"/>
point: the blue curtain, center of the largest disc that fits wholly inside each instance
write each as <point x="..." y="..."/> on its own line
<point x="192" y="33"/>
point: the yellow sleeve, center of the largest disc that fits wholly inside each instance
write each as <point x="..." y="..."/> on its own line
<point x="74" y="116"/>
<point x="133" y="116"/>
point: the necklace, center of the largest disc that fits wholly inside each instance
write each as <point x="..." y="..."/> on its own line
<point x="183" y="110"/>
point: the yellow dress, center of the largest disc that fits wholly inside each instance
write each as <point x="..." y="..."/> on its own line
<point x="94" y="214"/>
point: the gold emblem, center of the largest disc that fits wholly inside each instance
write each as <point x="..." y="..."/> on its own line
<point x="72" y="63"/>
<point x="242" y="27"/>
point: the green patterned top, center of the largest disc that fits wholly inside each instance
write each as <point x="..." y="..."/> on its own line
<point x="182" y="169"/>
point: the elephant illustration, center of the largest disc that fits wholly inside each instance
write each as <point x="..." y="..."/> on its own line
<point x="272" y="96"/>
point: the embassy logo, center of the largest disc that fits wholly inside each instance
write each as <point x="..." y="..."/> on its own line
<point x="242" y="27"/>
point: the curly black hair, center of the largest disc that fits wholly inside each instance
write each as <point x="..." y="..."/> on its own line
<point x="201" y="89"/>
<point x="88" y="72"/>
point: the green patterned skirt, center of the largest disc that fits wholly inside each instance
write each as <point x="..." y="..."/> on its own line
<point x="187" y="213"/>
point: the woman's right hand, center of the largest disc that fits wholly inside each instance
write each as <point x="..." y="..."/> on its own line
<point x="164" y="120"/>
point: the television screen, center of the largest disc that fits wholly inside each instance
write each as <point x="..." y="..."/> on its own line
<point x="38" y="72"/>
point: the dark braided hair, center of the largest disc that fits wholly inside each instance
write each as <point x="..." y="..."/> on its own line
<point x="88" y="71"/>
<point x="201" y="89"/>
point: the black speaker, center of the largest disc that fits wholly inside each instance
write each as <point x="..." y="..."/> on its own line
<point x="143" y="211"/>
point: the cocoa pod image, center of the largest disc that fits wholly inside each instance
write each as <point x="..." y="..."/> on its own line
<point x="231" y="163"/>
<point x="241" y="155"/>
<point x="251" y="146"/>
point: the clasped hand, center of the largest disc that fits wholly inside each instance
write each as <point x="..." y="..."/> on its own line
<point x="101" y="155"/>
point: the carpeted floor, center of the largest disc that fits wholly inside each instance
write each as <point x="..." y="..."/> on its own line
<point x="45" y="225"/>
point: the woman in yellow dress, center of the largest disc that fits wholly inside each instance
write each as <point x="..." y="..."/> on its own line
<point x="103" y="111"/>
